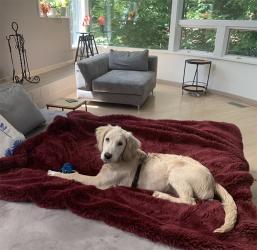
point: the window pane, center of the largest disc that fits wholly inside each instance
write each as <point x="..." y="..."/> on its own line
<point x="243" y="43"/>
<point x="77" y="13"/>
<point x="141" y="24"/>
<point x="220" y="9"/>
<point x="198" y="39"/>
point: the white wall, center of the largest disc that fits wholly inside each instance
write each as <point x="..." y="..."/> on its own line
<point x="47" y="40"/>
<point x="226" y="76"/>
<point x="230" y="77"/>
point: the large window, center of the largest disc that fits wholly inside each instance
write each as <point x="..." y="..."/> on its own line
<point x="218" y="27"/>
<point x="235" y="23"/>
<point x="220" y="9"/>
<point x="136" y="23"/>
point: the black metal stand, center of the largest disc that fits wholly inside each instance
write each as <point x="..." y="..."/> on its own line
<point x="86" y="46"/>
<point x="196" y="86"/>
<point x="19" y="45"/>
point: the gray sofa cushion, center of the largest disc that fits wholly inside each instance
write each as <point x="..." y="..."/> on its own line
<point x="17" y="108"/>
<point x="93" y="67"/>
<point x="125" y="82"/>
<point x="49" y="115"/>
<point x="125" y="60"/>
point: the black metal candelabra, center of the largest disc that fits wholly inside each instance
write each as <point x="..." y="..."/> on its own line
<point x="19" y="41"/>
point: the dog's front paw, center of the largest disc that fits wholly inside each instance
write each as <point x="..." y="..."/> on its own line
<point x="193" y="202"/>
<point x="51" y="173"/>
<point x="156" y="194"/>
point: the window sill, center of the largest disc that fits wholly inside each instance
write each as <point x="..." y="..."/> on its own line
<point x="230" y="58"/>
<point x="55" y="17"/>
<point x="193" y="53"/>
<point x="208" y="55"/>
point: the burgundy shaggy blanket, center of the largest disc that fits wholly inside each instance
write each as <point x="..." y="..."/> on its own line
<point x="218" y="146"/>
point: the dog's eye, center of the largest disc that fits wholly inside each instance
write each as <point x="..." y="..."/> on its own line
<point x="119" y="143"/>
<point x="107" y="139"/>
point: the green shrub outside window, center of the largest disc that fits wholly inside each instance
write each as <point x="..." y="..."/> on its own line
<point x="138" y="23"/>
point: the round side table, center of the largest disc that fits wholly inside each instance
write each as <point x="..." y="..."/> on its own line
<point x="195" y="85"/>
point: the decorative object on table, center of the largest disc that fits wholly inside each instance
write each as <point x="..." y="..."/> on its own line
<point x="71" y="100"/>
<point x="67" y="168"/>
<point x="196" y="86"/>
<point x="19" y="42"/>
<point x="86" y="46"/>
<point x="86" y="23"/>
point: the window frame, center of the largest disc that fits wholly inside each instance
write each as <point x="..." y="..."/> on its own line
<point x="222" y="27"/>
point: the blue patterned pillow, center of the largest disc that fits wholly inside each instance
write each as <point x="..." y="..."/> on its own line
<point x="10" y="138"/>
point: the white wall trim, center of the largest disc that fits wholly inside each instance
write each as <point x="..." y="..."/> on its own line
<point x="221" y="41"/>
<point x="175" y="29"/>
<point x="237" y="24"/>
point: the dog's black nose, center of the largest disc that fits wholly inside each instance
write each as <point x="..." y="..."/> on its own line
<point x="107" y="156"/>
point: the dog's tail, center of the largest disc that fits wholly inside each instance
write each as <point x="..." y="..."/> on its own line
<point x="230" y="209"/>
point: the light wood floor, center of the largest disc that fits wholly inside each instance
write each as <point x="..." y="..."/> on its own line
<point x="168" y="103"/>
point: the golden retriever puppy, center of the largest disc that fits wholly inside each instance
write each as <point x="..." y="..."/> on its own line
<point x="172" y="177"/>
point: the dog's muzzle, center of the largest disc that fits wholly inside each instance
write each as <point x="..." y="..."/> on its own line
<point x="107" y="156"/>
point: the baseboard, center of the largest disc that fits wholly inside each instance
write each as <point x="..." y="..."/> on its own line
<point x="237" y="98"/>
<point x="166" y="82"/>
<point x="41" y="70"/>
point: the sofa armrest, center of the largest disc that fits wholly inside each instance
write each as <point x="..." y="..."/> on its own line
<point x="152" y="63"/>
<point x="93" y="67"/>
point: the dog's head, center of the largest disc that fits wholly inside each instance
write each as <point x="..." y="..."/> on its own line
<point x="116" y="144"/>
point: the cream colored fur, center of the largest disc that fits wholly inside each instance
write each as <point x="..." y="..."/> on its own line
<point x="172" y="177"/>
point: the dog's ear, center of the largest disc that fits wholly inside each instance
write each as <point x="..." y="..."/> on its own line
<point x="132" y="145"/>
<point x="100" y="134"/>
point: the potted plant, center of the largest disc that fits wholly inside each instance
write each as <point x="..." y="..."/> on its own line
<point x="58" y="8"/>
<point x="53" y="11"/>
<point x="62" y="7"/>
<point x="44" y="7"/>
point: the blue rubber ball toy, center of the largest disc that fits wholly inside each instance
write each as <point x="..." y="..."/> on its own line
<point x="67" y="168"/>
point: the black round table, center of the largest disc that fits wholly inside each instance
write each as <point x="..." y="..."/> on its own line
<point x="195" y="85"/>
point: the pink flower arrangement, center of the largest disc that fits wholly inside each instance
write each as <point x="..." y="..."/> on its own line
<point x="86" y="21"/>
<point x="45" y="7"/>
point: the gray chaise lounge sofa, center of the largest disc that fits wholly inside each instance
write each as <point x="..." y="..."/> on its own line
<point x="97" y="82"/>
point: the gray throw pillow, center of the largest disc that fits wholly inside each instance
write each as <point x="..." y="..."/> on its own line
<point x="18" y="109"/>
<point x="125" y="60"/>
